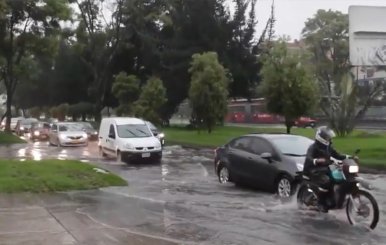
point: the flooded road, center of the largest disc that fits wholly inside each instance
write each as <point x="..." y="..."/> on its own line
<point x="181" y="201"/>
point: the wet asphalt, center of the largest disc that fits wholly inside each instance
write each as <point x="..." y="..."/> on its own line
<point x="180" y="201"/>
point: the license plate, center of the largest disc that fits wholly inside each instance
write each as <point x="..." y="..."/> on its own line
<point x="147" y="154"/>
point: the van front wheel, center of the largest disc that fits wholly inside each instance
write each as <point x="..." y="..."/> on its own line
<point x="120" y="157"/>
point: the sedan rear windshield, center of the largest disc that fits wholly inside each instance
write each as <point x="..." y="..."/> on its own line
<point x="133" y="131"/>
<point x="296" y="146"/>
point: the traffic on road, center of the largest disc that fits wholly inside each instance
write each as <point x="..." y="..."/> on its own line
<point x="190" y="191"/>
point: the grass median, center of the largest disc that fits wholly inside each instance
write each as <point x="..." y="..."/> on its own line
<point x="52" y="175"/>
<point x="8" y="138"/>
<point x="372" y="145"/>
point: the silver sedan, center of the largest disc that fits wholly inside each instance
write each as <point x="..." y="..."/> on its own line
<point x="68" y="134"/>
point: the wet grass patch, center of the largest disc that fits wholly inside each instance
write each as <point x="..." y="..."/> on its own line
<point x="9" y="138"/>
<point x="53" y="175"/>
<point x="372" y="144"/>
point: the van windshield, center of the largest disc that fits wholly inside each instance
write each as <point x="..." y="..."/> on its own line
<point x="133" y="131"/>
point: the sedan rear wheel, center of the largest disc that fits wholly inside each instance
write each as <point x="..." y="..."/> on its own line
<point x="223" y="175"/>
<point x="284" y="187"/>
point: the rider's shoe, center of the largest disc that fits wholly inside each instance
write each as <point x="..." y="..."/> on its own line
<point x="322" y="208"/>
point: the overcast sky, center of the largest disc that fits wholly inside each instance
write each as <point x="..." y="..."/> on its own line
<point x="291" y="14"/>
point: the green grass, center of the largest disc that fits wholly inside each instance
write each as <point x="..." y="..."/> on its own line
<point x="373" y="146"/>
<point x="52" y="175"/>
<point x="8" y="138"/>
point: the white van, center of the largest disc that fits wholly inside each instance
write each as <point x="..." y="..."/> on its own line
<point x="128" y="139"/>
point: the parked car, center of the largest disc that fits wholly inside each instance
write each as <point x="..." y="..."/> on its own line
<point x="265" y="161"/>
<point x="91" y="132"/>
<point x="128" y="139"/>
<point x="67" y="134"/>
<point x="305" y="122"/>
<point x="156" y="132"/>
<point x="23" y="126"/>
<point x="39" y="131"/>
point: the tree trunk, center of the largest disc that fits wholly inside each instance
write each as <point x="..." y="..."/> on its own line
<point x="8" y="112"/>
<point x="97" y="112"/>
<point x="288" y="124"/>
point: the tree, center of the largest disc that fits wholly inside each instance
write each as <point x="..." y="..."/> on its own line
<point x="27" y="29"/>
<point x="326" y="35"/>
<point x="97" y="42"/>
<point x="208" y="91"/>
<point x="126" y="89"/>
<point x="81" y="109"/>
<point x="152" y="98"/>
<point x="287" y="85"/>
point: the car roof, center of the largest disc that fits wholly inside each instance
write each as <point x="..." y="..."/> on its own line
<point x="126" y="120"/>
<point x="276" y="135"/>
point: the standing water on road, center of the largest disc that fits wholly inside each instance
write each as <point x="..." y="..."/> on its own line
<point x="181" y="199"/>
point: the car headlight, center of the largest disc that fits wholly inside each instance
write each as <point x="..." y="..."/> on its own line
<point x="62" y="137"/>
<point x="353" y="169"/>
<point x="95" y="133"/>
<point x="21" y="128"/>
<point x="161" y="135"/>
<point x="300" y="166"/>
<point x="84" y="135"/>
<point x="36" y="133"/>
<point x="129" y="146"/>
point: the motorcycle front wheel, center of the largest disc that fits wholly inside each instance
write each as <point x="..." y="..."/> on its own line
<point x="362" y="206"/>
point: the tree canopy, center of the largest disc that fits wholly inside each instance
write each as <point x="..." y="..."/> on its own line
<point x="208" y="91"/>
<point x="287" y="85"/>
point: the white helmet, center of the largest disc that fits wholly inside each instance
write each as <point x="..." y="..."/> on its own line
<point x="324" y="135"/>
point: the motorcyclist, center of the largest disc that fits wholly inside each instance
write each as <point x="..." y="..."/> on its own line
<point x="317" y="161"/>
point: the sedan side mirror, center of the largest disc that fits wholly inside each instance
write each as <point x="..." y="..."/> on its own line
<point x="267" y="156"/>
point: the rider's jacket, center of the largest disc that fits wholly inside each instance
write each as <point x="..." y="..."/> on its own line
<point x="319" y="150"/>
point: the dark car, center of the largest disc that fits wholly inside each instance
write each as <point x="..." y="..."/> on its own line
<point x="39" y="131"/>
<point x="91" y="132"/>
<point x="265" y="161"/>
<point x="24" y="125"/>
<point x="156" y="132"/>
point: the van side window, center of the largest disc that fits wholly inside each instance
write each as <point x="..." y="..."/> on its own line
<point x="112" y="131"/>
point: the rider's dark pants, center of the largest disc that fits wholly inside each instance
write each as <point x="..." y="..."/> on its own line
<point x="320" y="177"/>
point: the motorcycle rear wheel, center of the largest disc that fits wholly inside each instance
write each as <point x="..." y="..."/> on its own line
<point x="362" y="209"/>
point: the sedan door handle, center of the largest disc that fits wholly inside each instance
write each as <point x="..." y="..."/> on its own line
<point x="249" y="158"/>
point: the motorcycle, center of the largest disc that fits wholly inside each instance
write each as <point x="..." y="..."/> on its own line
<point x="347" y="187"/>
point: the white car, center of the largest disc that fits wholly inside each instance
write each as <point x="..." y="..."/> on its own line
<point x="128" y="139"/>
<point x="67" y="134"/>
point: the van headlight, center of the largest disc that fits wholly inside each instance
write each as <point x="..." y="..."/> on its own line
<point x="161" y="135"/>
<point x="129" y="146"/>
<point x="353" y="169"/>
<point x="300" y="166"/>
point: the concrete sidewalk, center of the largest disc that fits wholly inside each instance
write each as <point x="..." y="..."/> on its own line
<point x="51" y="219"/>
